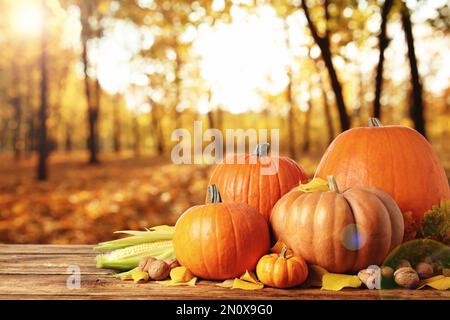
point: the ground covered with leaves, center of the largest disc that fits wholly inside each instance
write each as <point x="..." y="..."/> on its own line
<point x="85" y="204"/>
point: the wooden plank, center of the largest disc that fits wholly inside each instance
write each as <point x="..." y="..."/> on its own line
<point x="40" y="272"/>
<point x="48" y="264"/>
<point x="45" y="249"/>
<point x="104" y="287"/>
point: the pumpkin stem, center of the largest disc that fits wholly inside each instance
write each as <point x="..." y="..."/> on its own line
<point x="374" y="122"/>
<point x="283" y="252"/>
<point x="262" y="149"/>
<point x="213" y="194"/>
<point x="332" y="184"/>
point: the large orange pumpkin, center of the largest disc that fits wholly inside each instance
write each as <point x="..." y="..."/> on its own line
<point x="396" y="159"/>
<point x="247" y="178"/>
<point x="341" y="232"/>
<point x="220" y="240"/>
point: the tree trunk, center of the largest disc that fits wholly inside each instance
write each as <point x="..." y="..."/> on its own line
<point x="117" y="125"/>
<point x="306" y="146"/>
<point x="156" y="127"/>
<point x="136" y="137"/>
<point x="42" y="172"/>
<point x="17" y="104"/>
<point x="92" y="92"/>
<point x="68" y="142"/>
<point x="210" y="113"/>
<point x="30" y="134"/>
<point x="324" y="45"/>
<point x="417" y="106"/>
<point x="3" y="133"/>
<point x="326" y="105"/>
<point x="383" y="42"/>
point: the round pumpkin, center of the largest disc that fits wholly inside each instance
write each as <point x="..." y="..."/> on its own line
<point x="396" y="159"/>
<point x="281" y="270"/>
<point x="341" y="232"/>
<point x="258" y="180"/>
<point x="220" y="240"/>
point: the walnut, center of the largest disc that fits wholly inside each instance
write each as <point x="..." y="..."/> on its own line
<point x="406" y="277"/>
<point x="144" y="263"/>
<point x="158" y="270"/>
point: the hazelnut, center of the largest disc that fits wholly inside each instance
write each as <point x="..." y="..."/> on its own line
<point x="158" y="270"/>
<point x="424" y="270"/>
<point x="406" y="277"/>
<point x="387" y="272"/>
<point x="403" y="263"/>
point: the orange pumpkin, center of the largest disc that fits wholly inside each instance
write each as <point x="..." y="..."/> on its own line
<point x="220" y="240"/>
<point x="258" y="180"/>
<point x="281" y="270"/>
<point x="396" y="159"/>
<point x="341" y="232"/>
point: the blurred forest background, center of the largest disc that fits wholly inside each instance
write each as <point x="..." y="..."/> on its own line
<point x="91" y="90"/>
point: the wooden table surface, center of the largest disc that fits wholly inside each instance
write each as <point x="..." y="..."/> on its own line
<point x="41" y="272"/>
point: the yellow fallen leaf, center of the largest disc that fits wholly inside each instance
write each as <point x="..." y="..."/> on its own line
<point x="424" y="282"/>
<point x="127" y="275"/>
<point x="245" y="285"/>
<point x="139" y="276"/>
<point x="180" y="274"/>
<point x="315" y="185"/>
<point x="437" y="282"/>
<point x="335" y="281"/>
<point x="249" y="277"/>
<point x="441" y="284"/>
<point x="170" y="282"/>
<point x="226" y="284"/>
<point x="315" y="275"/>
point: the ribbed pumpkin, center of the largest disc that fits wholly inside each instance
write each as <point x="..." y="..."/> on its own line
<point x="396" y="159"/>
<point x="281" y="270"/>
<point x="242" y="178"/>
<point x="220" y="240"/>
<point x="341" y="232"/>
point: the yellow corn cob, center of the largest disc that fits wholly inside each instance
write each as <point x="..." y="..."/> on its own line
<point x="129" y="257"/>
<point x="139" y="249"/>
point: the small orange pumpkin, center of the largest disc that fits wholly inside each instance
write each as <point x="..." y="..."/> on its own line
<point x="220" y="241"/>
<point x="282" y="270"/>
<point x="339" y="231"/>
<point x="242" y="178"/>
